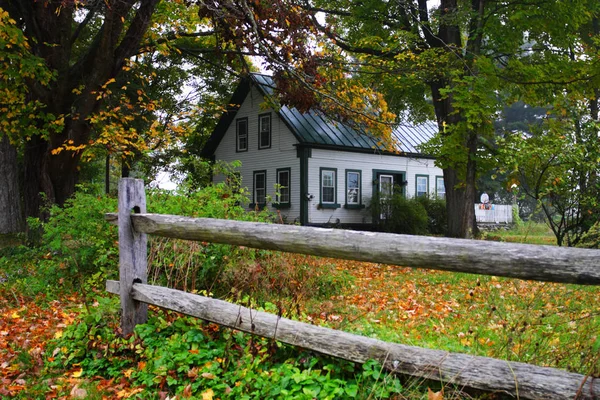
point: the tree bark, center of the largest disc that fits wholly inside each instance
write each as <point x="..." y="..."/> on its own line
<point x="11" y="220"/>
<point x="459" y="180"/>
<point x="49" y="27"/>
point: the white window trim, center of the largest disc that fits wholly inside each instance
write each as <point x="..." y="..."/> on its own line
<point x="289" y="174"/>
<point x="359" y="197"/>
<point x="238" y="135"/>
<point x="255" y="188"/>
<point x="260" y="131"/>
<point x="333" y="184"/>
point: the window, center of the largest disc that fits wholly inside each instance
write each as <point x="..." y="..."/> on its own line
<point x="353" y="189"/>
<point x="241" y="130"/>
<point x="283" y="182"/>
<point x="440" y="189"/>
<point x="264" y="131"/>
<point x="422" y="182"/>
<point x="328" y="188"/>
<point x="260" y="188"/>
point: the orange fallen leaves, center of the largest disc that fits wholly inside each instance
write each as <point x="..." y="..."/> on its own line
<point x="25" y="328"/>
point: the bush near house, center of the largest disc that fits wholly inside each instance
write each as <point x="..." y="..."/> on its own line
<point x="412" y="216"/>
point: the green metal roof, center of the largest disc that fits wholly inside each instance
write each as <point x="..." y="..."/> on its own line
<point x="313" y="128"/>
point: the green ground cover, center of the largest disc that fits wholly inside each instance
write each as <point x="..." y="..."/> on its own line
<point x="60" y="334"/>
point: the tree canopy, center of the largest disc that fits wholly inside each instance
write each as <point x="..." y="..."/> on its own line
<point x="87" y="77"/>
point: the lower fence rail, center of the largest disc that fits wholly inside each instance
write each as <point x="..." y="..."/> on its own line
<point x="514" y="378"/>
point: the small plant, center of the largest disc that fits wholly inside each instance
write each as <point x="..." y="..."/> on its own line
<point x="186" y="357"/>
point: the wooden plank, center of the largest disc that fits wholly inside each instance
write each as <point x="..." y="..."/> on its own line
<point x="133" y="259"/>
<point x="541" y="263"/>
<point x="519" y="379"/>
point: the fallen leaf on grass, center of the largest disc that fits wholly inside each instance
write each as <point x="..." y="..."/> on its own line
<point x="208" y="395"/>
<point x="78" y="393"/>
<point x="431" y="395"/>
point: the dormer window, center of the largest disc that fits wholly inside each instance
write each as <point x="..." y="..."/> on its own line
<point x="264" y="131"/>
<point x="241" y="134"/>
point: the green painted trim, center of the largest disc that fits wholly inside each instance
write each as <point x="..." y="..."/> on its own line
<point x="270" y="130"/>
<point x="237" y="135"/>
<point x="304" y="154"/>
<point x="379" y="152"/>
<point x="354" y="206"/>
<point x="289" y="171"/>
<point x="360" y="189"/>
<point x="335" y="179"/>
<point x="254" y="173"/>
<point x="328" y="205"/>
<point x="388" y="172"/>
<point x="417" y="176"/>
<point x="436" y="187"/>
<point x="281" y="206"/>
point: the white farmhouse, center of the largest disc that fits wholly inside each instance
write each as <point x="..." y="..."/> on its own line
<point x="326" y="172"/>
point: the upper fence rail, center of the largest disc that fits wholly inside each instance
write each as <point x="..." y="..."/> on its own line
<point x="534" y="262"/>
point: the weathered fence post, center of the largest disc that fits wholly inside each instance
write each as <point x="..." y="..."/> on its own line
<point x="133" y="258"/>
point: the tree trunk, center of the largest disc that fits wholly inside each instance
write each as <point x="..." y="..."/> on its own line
<point x="460" y="185"/>
<point x="459" y="178"/>
<point x="11" y="219"/>
<point x="51" y="178"/>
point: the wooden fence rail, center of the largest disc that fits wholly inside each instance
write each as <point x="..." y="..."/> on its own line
<point x="519" y="261"/>
<point x="541" y="263"/>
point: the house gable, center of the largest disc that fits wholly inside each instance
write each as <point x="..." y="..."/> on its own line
<point x="305" y="145"/>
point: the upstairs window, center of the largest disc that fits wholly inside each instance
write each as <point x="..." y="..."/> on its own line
<point x="440" y="188"/>
<point x="241" y="134"/>
<point x="264" y="131"/>
<point x="422" y="185"/>
<point x="283" y="182"/>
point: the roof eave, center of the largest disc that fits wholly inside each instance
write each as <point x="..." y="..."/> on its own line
<point x="366" y="150"/>
<point x="226" y="118"/>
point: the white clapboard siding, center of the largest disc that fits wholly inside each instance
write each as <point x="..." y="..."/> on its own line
<point x="343" y="160"/>
<point x="281" y="154"/>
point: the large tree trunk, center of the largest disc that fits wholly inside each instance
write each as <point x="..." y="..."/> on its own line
<point x="459" y="178"/>
<point x="459" y="183"/>
<point x="51" y="178"/>
<point x="11" y="219"/>
<point x="53" y="35"/>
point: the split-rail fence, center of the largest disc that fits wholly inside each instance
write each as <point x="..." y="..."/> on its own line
<point x="521" y="380"/>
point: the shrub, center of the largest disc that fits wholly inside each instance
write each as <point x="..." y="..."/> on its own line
<point x="79" y="235"/>
<point x="400" y="215"/>
<point x="437" y="214"/>
<point x="591" y="239"/>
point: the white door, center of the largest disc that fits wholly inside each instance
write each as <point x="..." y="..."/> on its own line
<point x="386" y="190"/>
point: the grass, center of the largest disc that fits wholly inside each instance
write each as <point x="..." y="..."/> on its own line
<point x="527" y="232"/>
<point x="541" y="323"/>
<point x="60" y="348"/>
